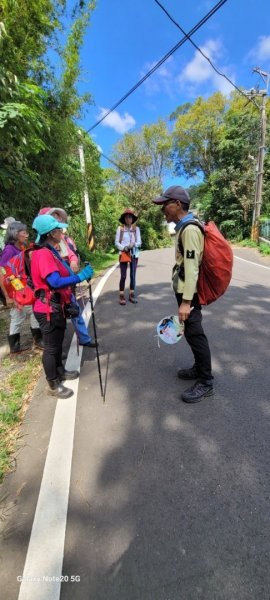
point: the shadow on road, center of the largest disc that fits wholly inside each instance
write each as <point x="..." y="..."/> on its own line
<point x="177" y="504"/>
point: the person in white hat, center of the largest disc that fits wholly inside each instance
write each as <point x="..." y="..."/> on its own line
<point x="4" y="226"/>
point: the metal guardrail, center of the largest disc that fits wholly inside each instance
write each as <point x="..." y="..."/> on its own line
<point x="264" y="241"/>
<point x="265" y="231"/>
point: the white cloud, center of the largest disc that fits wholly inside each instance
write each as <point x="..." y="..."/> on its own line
<point x="194" y="75"/>
<point x="199" y="70"/>
<point x="120" y="124"/>
<point x="162" y="78"/>
<point x="261" y="52"/>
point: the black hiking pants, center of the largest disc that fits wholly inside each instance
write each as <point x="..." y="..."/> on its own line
<point x="53" y="332"/>
<point x="198" y="341"/>
<point x="123" y="270"/>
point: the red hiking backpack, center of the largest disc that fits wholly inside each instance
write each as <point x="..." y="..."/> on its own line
<point x="17" y="279"/>
<point x="217" y="262"/>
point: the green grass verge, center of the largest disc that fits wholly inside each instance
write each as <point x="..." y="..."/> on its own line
<point x="101" y="261"/>
<point x="17" y="386"/>
<point x="262" y="248"/>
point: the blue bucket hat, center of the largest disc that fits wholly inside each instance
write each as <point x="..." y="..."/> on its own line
<point x="46" y="223"/>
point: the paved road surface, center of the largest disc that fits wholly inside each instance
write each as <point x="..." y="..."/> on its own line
<point x="166" y="501"/>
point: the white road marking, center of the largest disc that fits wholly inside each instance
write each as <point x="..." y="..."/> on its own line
<point x="41" y="579"/>
<point x="251" y="263"/>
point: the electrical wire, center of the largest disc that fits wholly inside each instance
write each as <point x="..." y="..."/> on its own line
<point x="118" y="167"/>
<point x="160" y="62"/>
<point x="204" y="55"/>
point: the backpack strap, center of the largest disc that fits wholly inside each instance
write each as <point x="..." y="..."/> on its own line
<point x="194" y="221"/>
<point x="121" y="235"/>
<point x="122" y="229"/>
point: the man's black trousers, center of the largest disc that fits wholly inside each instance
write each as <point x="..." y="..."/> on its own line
<point x="198" y="341"/>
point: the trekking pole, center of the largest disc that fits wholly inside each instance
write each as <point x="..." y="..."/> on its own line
<point x="95" y="335"/>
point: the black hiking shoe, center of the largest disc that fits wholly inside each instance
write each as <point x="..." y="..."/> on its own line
<point x="90" y="345"/>
<point x="197" y="392"/>
<point x="63" y="375"/>
<point x="191" y="373"/>
<point x="15" y="345"/>
<point x="57" y="389"/>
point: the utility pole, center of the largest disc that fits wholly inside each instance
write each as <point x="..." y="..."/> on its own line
<point x="255" y="230"/>
<point x="90" y="237"/>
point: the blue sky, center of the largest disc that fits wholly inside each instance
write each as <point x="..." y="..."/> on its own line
<point x="126" y="38"/>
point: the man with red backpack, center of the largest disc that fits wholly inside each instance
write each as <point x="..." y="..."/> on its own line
<point x="189" y="247"/>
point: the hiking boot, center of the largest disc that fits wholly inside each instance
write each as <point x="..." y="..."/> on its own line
<point x="191" y="373"/>
<point x="15" y="344"/>
<point x="63" y="374"/>
<point x="90" y="344"/>
<point x="37" y="337"/>
<point x="122" y="299"/>
<point x="132" y="297"/>
<point x="197" y="392"/>
<point x="57" y="389"/>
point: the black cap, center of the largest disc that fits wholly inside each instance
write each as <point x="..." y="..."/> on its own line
<point x="175" y="192"/>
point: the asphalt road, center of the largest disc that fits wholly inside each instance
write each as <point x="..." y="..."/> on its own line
<point x="166" y="501"/>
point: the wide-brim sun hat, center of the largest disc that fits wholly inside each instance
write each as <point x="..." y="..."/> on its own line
<point x="175" y="192"/>
<point x="43" y="224"/>
<point x="48" y="210"/>
<point x="129" y="212"/>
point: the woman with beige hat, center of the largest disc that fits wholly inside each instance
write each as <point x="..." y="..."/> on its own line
<point x="128" y="242"/>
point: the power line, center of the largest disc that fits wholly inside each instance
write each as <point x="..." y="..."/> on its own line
<point x="182" y="41"/>
<point x="203" y="54"/>
<point x="120" y="168"/>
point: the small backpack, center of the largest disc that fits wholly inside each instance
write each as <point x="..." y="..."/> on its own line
<point x="122" y="230"/>
<point x="17" y="270"/>
<point x="215" y="271"/>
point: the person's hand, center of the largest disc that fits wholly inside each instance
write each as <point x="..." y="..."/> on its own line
<point x="86" y="273"/>
<point x="74" y="266"/>
<point x="126" y="248"/>
<point x="184" y="311"/>
<point x="131" y="246"/>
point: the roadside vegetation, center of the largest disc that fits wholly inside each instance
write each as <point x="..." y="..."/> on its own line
<point x="262" y="247"/>
<point x="18" y="378"/>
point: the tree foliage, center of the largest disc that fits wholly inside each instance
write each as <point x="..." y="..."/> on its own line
<point x="218" y="140"/>
<point x="38" y="134"/>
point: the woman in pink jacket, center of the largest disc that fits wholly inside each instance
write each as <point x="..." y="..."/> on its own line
<point x="69" y="253"/>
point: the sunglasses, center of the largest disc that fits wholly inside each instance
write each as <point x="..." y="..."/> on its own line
<point x="168" y="202"/>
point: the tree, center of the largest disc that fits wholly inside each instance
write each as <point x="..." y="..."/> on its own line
<point x="37" y="112"/>
<point x="218" y="140"/>
<point x="145" y="154"/>
<point x="144" y="157"/>
<point x="196" y="134"/>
